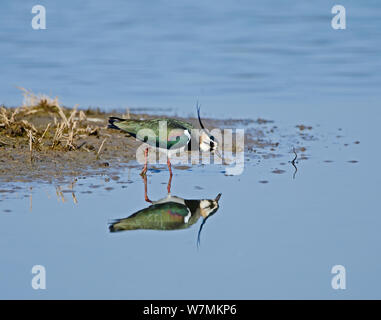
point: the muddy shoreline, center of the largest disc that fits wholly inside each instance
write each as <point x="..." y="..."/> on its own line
<point x="32" y="150"/>
<point x="42" y="141"/>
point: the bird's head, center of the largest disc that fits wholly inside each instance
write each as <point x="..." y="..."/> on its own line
<point x="207" y="142"/>
<point x="207" y="209"/>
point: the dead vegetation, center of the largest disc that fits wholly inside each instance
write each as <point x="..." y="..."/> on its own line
<point x="43" y="140"/>
<point x="13" y="126"/>
<point x="56" y="127"/>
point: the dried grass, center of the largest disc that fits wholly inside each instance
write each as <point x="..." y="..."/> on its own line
<point x="33" y="103"/>
<point x="58" y="128"/>
<point x="100" y="148"/>
<point x="12" y="126"/>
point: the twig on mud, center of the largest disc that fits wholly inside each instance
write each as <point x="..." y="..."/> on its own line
<point x="30" y="135"/>
<point x="100" y="148"/>
<point x="81" y="145"/>
<point x="43" y="135"/>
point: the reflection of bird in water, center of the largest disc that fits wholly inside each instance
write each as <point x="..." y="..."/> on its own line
<point x="169" y="213"/>
<point x="178" y="136"/>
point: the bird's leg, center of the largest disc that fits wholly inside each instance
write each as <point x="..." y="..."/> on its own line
<point x="143" y="173"/>
<point x="170" y="175"/>
<point x="145" y="189"/>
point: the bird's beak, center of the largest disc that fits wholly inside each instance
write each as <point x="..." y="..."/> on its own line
<point x="218" y="197"/>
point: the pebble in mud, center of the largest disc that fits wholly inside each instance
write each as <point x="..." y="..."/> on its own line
<point x="263" y="181"/>
<point x="352" y="161"/>
<point x="302" y="127"/>
<point x="182" y="167"/>
<point x="278" y="171"/>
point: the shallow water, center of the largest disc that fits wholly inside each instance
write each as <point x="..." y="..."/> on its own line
<point x="165" y="54"/>
<point x="273" y="236"/>
<point x="277" y="239"/>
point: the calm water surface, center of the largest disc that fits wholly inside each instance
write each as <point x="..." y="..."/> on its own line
<point x="280" y="61"/>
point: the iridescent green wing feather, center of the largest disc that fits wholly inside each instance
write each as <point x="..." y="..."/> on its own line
<point x="177" y="135"/>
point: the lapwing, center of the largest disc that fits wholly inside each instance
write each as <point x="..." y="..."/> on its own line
<point x="178" y="136"/>
<point x="169" y="213"/>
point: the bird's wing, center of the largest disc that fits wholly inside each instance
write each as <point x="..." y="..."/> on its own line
<point x="176" y="136"/>
<point x="164" y="216"/>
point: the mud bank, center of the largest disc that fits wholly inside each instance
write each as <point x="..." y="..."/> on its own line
<point x="42" y="141"/>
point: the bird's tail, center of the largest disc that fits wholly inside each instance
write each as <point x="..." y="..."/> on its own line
<point x="112" y="120"/>
<point x="123" y="225"/>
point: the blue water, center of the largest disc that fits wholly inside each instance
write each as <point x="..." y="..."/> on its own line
<point x="273" y="59"/>
<point x="246" y="56"/>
